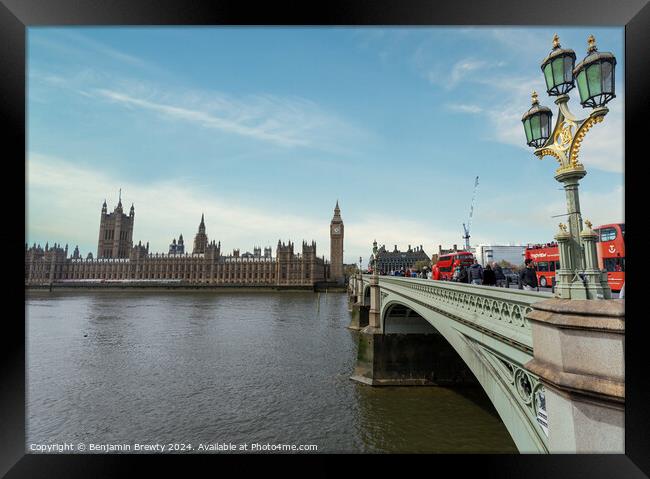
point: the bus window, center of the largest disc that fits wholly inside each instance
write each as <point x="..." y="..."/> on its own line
<point x="551" y="265"/>
<point x="543" y="266"/>
<point x="607" y="234"/>
<point x="557" y="265"/>
<point x="614" y="264"/>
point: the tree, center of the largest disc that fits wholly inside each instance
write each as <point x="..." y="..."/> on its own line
<point x="506" y="264"/>
<point x="421" y="264"/>
<point x="351" y="269"/>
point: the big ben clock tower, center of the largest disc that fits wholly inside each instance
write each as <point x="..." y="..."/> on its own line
<point x="336" y="246"/>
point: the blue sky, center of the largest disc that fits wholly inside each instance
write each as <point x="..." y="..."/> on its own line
<point x="263" y="129"/>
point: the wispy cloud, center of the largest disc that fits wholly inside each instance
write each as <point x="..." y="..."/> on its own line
<point x="286" y="121"/>
<point x="77" y="45"/>
<point x="464" y="108"/>
<point x="268" y="129"/>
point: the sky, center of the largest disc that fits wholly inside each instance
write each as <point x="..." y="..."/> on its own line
<point x="264" y="129"/>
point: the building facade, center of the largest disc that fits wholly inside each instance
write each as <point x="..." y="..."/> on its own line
<point x="397" y="260"/>
<point x="205" y="265"/>
<point x="115" y="232"/>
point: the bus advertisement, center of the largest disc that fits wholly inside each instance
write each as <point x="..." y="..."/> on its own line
<point x="611" y="256"/>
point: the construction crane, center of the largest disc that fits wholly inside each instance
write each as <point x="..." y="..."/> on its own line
<point x="471" y="212"/>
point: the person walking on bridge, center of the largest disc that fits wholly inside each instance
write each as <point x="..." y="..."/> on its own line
<point x="489" y="278"/>
<point x="456" y="273"/>
<point x="462" y="276"/>
<point x="528" y="276"/>
<point x="475" y="273"/>
<point x="498" y="274"/>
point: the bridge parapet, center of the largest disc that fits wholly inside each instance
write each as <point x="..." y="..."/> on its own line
<point x="500" y="310"/>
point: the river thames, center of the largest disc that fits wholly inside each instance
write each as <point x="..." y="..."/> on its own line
<point x="127" y="367"/>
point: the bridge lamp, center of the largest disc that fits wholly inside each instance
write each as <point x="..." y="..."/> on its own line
<point x="537" y="123"/>
<point x="594" y="76"/>
<point x="558" y="69"/>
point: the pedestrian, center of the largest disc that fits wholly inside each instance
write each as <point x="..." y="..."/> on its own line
<point x="456" y="273"/>
<point x="489" y="277"/>
<point x="462" y="276"/>
<point x="528" y="276"/>
<point x="498" y="274"/>
<point x="475" y="273"/>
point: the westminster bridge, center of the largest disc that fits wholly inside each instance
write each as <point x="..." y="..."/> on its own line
<point x="553" y="368"/>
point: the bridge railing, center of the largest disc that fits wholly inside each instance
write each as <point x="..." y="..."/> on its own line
<point x="501" y="310"/>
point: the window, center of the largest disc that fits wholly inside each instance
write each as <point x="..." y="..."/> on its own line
<point x="607" y="234"/>
<point x="542" y="266"/>
<point x="557" y="265"/>
<point x="551" y="265"/>
<point x="614" y="264"/>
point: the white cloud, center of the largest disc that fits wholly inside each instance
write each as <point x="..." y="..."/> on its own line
<point x="269" y="129"/>
<point x="465" y="108"/>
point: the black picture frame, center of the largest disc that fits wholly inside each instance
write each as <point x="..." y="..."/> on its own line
<point x="17" y="15"/>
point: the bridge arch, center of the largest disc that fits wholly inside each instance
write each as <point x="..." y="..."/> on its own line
<point x="398" y="317"/>
<point x="365" y="296"/>
<point x="509" y="388"/>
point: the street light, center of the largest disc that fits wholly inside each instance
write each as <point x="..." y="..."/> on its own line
<point x="578" y="276"/>
<point x="360" y="261"/>
<point x="375" y="258"/>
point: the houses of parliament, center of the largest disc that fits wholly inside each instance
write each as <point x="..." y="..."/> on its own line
<point x="118" y="260"/>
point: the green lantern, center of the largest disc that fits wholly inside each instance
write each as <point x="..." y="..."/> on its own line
<point x="595" y="76"/>
<point x="537" y="123"/>
<point x="558" y="69"/>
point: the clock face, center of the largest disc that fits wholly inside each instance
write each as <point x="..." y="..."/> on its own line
<point x="337" y="230"/>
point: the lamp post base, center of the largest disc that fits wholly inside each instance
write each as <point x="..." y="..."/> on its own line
<point x="591" y="287"/>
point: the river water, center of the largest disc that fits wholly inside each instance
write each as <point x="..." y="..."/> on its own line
<point x="214" y="368"/>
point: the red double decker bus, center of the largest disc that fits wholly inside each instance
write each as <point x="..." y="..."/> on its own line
<point x="546" y="259"/>
<point x="611" y="253"/>
<point x="611" y="256"/>
<point x="444" y="268"/>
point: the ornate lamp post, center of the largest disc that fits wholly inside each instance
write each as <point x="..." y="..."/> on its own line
<point x="578" y="276"/>
<point x="375" y="259"/>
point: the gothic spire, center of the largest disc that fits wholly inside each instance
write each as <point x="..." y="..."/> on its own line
<point x="337" y="213"/>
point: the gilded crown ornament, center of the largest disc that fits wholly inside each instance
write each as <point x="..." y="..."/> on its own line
<point x="556" y="41"/>
<point x="591" y="41"/>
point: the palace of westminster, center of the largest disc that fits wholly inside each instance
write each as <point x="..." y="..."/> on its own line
<point x="118" y="260"/>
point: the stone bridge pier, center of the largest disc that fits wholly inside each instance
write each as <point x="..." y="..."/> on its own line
<point x="403" y="349"/>
<point x="358" y="303"/>
<point x="553" y="368"/>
